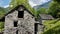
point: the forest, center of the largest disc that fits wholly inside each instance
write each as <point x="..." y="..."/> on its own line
<point x="51" y="26"/>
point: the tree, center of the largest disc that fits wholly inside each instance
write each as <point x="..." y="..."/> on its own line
<point x="2" y="11"/>
<point x="42" y="11"/>
<point x="54" y="9"/>
<point x="58" y="1"/>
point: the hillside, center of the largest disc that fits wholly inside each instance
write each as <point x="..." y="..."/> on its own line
<point x="52" y="27"/>
<point x="45" y="5"/>
<point x="2" y="11"/>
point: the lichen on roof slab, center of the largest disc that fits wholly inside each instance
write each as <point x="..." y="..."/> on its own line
<point x="15" y="3"/>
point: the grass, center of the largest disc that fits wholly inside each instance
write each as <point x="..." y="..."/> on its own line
<point x="1" y="26"/>
<point x="52" y="27"/>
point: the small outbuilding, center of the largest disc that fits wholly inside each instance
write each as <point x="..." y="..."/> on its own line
<point x="40" y="21"/>
<point x="45" y="17"/>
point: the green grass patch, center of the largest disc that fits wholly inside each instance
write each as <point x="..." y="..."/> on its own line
<point x="52" y="27"/>
<point x="1" y="26"/>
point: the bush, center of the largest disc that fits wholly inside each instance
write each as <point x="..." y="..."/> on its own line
<point x="52" y="27"/>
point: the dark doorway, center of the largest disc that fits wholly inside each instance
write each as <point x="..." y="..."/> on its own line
<point x="15" y="23"/>
<point x="17" y="32"/>
<point x="1" y="32"/>
<point x="36" y="28"/>
<point x="20" y="14"/>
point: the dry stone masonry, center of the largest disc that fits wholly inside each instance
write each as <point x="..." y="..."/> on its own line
<point x="21" y="21"/>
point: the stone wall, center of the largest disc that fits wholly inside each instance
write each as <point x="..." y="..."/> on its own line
<point x="9" y="19"/>
<point x="26" y="24"/>
<point x="40" y="25"/>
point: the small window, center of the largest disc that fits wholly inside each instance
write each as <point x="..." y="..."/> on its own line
<point x="15" y="23"/>
<point x="20" y="14"/>
<point x="36" y="27"/>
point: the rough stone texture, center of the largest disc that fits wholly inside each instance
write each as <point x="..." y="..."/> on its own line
<point x="10" y="31"/>
<point x="40" y="25"/>
<point x="40" y="29"/>
<point x="9" y="19"/>
<point x="25" y="25"/>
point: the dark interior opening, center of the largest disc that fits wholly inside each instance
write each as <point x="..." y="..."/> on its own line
<point x="20" y="14"/>
<point x="15" y="23"/>
<point x="17" y="32"/>
<point x="3" y="19"/>
<point x="36" y="27"/>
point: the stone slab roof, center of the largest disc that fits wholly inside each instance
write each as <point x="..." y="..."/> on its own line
<point x="46" y="17"/>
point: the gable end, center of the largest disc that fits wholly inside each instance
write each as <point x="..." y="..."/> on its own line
<point x="16" y="8"/>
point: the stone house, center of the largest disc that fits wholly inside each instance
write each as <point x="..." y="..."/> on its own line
<point x="40" y="20"/>
<point x="20" y="21"/>
<point x="45" y="17"/>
